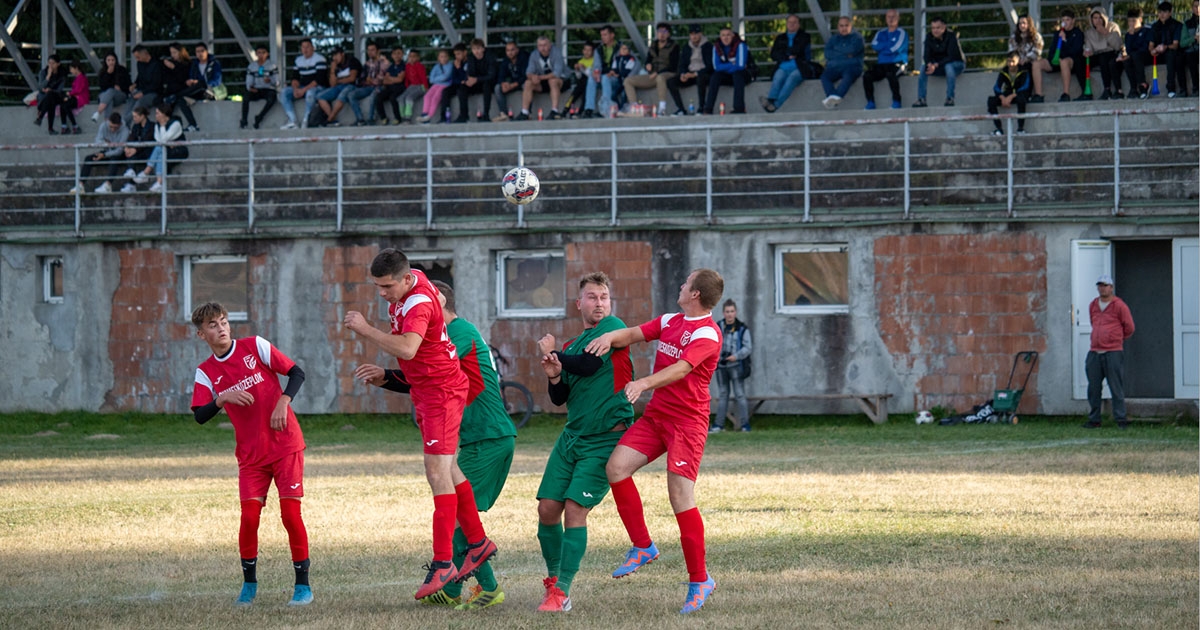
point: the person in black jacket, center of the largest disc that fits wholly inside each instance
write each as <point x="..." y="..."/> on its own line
<point x="52" y="88"/>
<point x="791" y="52"/>
<point x="141" y="130"/>
<point x="695" y="68"/>
<point x="114" y="85"/>
<point x="1165" y="34"/>
<point x="510" y="77"/>
<point x="662" y="59"/>
<point x="1012" y="88"/>
<point x="177" y="69"/>
<point x="148" y="84"/>
<point x="1064" y="53"/>
<point x="481" y="79"/>
<point x="944" y="57"/>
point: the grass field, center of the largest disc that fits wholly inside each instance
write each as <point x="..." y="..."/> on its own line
<point x="811" y="522"/>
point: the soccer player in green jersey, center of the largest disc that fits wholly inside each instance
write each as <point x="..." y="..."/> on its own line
<point x="486" y="442"/>
<point x="597" y="415"/>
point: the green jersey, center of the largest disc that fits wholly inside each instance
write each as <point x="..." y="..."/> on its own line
<point x="484" y="417"/>
<point x="597" y="403"/>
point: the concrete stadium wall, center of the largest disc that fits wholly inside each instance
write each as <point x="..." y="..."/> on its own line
<point x="936" y="312"/>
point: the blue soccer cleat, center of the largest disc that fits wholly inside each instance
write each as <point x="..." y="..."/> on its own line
<point x="246" y="597"/>
<point x="697" y="594"/>
<point x="302" y="596"/>
<point x="636" y="558"/>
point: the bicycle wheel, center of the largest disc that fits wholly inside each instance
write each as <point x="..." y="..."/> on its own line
<point x="518" y="402"/>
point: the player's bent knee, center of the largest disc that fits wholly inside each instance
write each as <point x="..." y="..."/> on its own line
<point x="549" y="511"/>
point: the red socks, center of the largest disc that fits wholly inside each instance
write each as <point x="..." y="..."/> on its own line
<point x="248" y="533"/>
<point x="629" y="506"/>
<point x="468" y="513"/>
<point x="289" y="511"/>
<point x="691" y="538"/>
<point x="444" y="506"/>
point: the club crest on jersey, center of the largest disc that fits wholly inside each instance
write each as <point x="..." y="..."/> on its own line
<point x="250" y="361"/>
<point x="685" y="338"/>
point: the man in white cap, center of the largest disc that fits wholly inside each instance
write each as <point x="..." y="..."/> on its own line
<point x="1112" y="324"/>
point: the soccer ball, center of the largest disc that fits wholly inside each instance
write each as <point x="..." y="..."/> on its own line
<point x="520" y="186"/>
<point x="924" y="417"/>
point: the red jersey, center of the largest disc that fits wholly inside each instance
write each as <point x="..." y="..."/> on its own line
<point x="696" y="341"/>
<point x="435" y="365"/>
<point x="251" y="366"/>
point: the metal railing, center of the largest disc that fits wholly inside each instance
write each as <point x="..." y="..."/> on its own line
<point x="639" y="172"/>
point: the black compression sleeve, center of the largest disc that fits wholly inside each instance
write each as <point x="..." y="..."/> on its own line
<point x="295" y="380"/>
<point x="559" y="392"/>
<point x="583" y="364"/>
<point x="394" y="381"/>
<point x="206" y="413"/>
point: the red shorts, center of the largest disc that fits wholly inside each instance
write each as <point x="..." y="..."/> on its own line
<point x="287" y="471"/>
<point x="439" y="414"/>
<point x="681" y="440"/>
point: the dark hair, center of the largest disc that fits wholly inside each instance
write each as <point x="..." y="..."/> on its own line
<point x="1067" y="13"/>
<point x="372" y="43"/>
<point x="53" y="58"/>
<point x="1012" y="53"/>
<point x="261" y="47"/>
<point x="609" y="28"/>
<point x="389" y="262"/>
<point x="728" y="303"/>
<point x="937" y="18"/>
<point x="141" y="109"/>
<point x="76" y="64"/>
<point x="336" y="50"/>
<point x="140" y="48"/>
<point x="1135" y="12"/>
<point x="115" y="117"/>
<point x="175" y="45"/>
<point x="201" y="45"/>
<point x="205" y="312"/>
<point x="447" y="292"/>
<point x="662" y="25"/>
<point x="478" y="43"/>
<point x="460" y="47"/>
<point x="306" y="40"/>
<point x="589" y="43"/>
<point x="1165" y="6"/>
<point x="165" y="108"/>
<point x="711" y="285"/>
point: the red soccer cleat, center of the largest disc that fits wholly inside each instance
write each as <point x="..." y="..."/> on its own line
<point x="477" y="554"/>
<point x="440" y="574"/>
<point x="555" y="600"/>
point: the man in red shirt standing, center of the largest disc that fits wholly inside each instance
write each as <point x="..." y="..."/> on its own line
<point x="242" y="373"/>
<point x="1112" y="324"/>
<point x="675" y="422"/>
<point x="427" y="358"/>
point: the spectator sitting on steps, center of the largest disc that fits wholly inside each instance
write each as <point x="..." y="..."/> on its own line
<point x="695" y="68"/>
<point x="169" y="129"/>
<point x="206" y="75"/>
<point x="262" y="79"/>
<point x="510" y="77"/>
<point x="344" y="74"/>
<point x="145" y="88"/>
<point x="1165" y="34"/>
<point x="662" y="59"/>
<point x="730" y="60"/>
<point x="1102" y="45"/>
<point x="943" y="57"/>
<point x="626" y="66"/>
<point x="1136" y="55"/>
<point x="1012" y="88"/>
<point x="114" y="85"/>
<point x="481" y="70"/>
<point x="1027" y="41"/>
<point x="177" y="67"/>
<point x="791" y="52"/>
<point x="891" y="46"/>
<point x="311" y="74"/>
<point x="843" y="62"/>
<point x="371" y="81"/>
<point x="1065" y="56"/>
<point x="392" y="89"/>
<point x="141" y="131"/>
<point x="440" y="77"/>
<point x="582" y="100"/>
<point x="545" y="72"/>
<point x="113" y="133"/>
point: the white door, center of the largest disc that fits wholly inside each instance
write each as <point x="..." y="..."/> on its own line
<point x="1185" y="265"/>
<point x="1089" y="259"/>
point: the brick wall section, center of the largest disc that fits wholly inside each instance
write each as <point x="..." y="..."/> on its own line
<point x="627" y="264"/>
<point x="145" y="333"/>
<point x="954" y="309"/>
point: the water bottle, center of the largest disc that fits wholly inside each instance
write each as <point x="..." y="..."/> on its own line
<point x="722" y="109"/>
<point x="447" y="113"/>
<point x="691" y="108"/>
<point x="261" y="71"/>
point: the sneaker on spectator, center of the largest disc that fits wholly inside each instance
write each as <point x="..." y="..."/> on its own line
<point x="1065" y="98"/>
<point x="156" y="187"/>
<point x="104" y="188"/>
<point x="192" y="128"/>
<point x="75" y="190"/>
<point x="556" y="115"/>
<point x="360" y="123"/>
<point x="521" y="116"/>
<point x="896" y="105"/>
<point x="501" y="117"/>
<point x="333" y="123"/>
<point x="715" y="429"/>
<point x="1084" y="97"/>
<point x="141" y="178"/>
<point x="1170" y="95"/>
<point x="1118" y="95"/>
<point x="257" y="123"/>
<point x="835" y="100"/>
<point x="997" y="132"/>
<point x="1105" y="95"/>
<point x="243" y="124"/>
<point x="96" y="117"/>
<point x="483" y="119"/>
<point x="129" y="173"/>
<point x="1020" y="132"/>
<point x="920" y="103"/>
<point x="870" y="105"/>
<point x="679" y="112"/>
<point x="949" y="103"/>
<point x="288" y="125"/>
<point x="76" y="130"/>
<point x="424" y="118"/>
<point x="1037" y="98"/>
<point x="303" y="123"/>
<point x="129" y="188"/>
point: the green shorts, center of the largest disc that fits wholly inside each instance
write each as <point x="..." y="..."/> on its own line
<point x="485" y="464"/>
<point x="575" y="469"/>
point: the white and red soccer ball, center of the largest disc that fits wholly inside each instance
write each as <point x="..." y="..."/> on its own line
<point x="520" y="186"/>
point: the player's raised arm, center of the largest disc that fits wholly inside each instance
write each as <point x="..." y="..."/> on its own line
<point x="616" y="339"/>
<point x="676" y="371"/>
<point x="400" y="346"/>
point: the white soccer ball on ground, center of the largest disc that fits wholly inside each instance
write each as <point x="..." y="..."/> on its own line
<point x="520" y="186"/>
<point x="924" y="417"/>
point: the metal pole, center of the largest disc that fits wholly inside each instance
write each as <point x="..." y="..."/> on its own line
<point x="163" y="192"/>
<point x="612" y="204"/>
<point x="250" y="176"/>
<point x="1008" y="147"/>
<point x="481" y="19"/>
<point x="119" y="30"/>
<point x="360" y="30"/>
<point x="135" y="23"/>
<point x="520" y="162"/>
<point x="340" y="216"/>
<point x="919" y="17"/>
<point x="1116" y="165"/>
<point x="78" y="191"/>
<point x="428" y="182"/>
<point x="907" y="169"/>
<point x="206" y="25"/>
<point x="48" y="16"/>
<point x="1035" y="12"/>
<point x="739" y="17"/>
<point x="708" y="181"/>
<point x="807" y="175"/>
<point x="278" y="54"/>
<point x="560" y="26"/>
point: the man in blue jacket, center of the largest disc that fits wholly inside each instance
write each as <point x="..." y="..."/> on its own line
<point x="843" y="62"/>
<point x="1012" y="88"/>
<point x="730" y="58"/>
<point x="791" y="51"/>
<point x="891" y="46"/>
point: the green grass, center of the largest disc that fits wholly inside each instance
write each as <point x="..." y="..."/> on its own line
<point x="810" y="522"/>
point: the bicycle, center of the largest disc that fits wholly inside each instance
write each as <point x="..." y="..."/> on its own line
<point x="518" y="400"/>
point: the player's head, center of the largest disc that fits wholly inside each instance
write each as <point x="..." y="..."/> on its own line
<point x="595" y="299"/>
<point x="729" y="310"/>
<point x="392" y="275"/>
<point x="446" y="296"/>
<point x="703" y="287"/>
<point x="212" y="324"/>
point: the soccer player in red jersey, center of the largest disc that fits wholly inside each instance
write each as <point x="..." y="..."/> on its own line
<point x="427" y="358"/>
<point x="240" y="377"/>
<point x="675" y="422"/>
